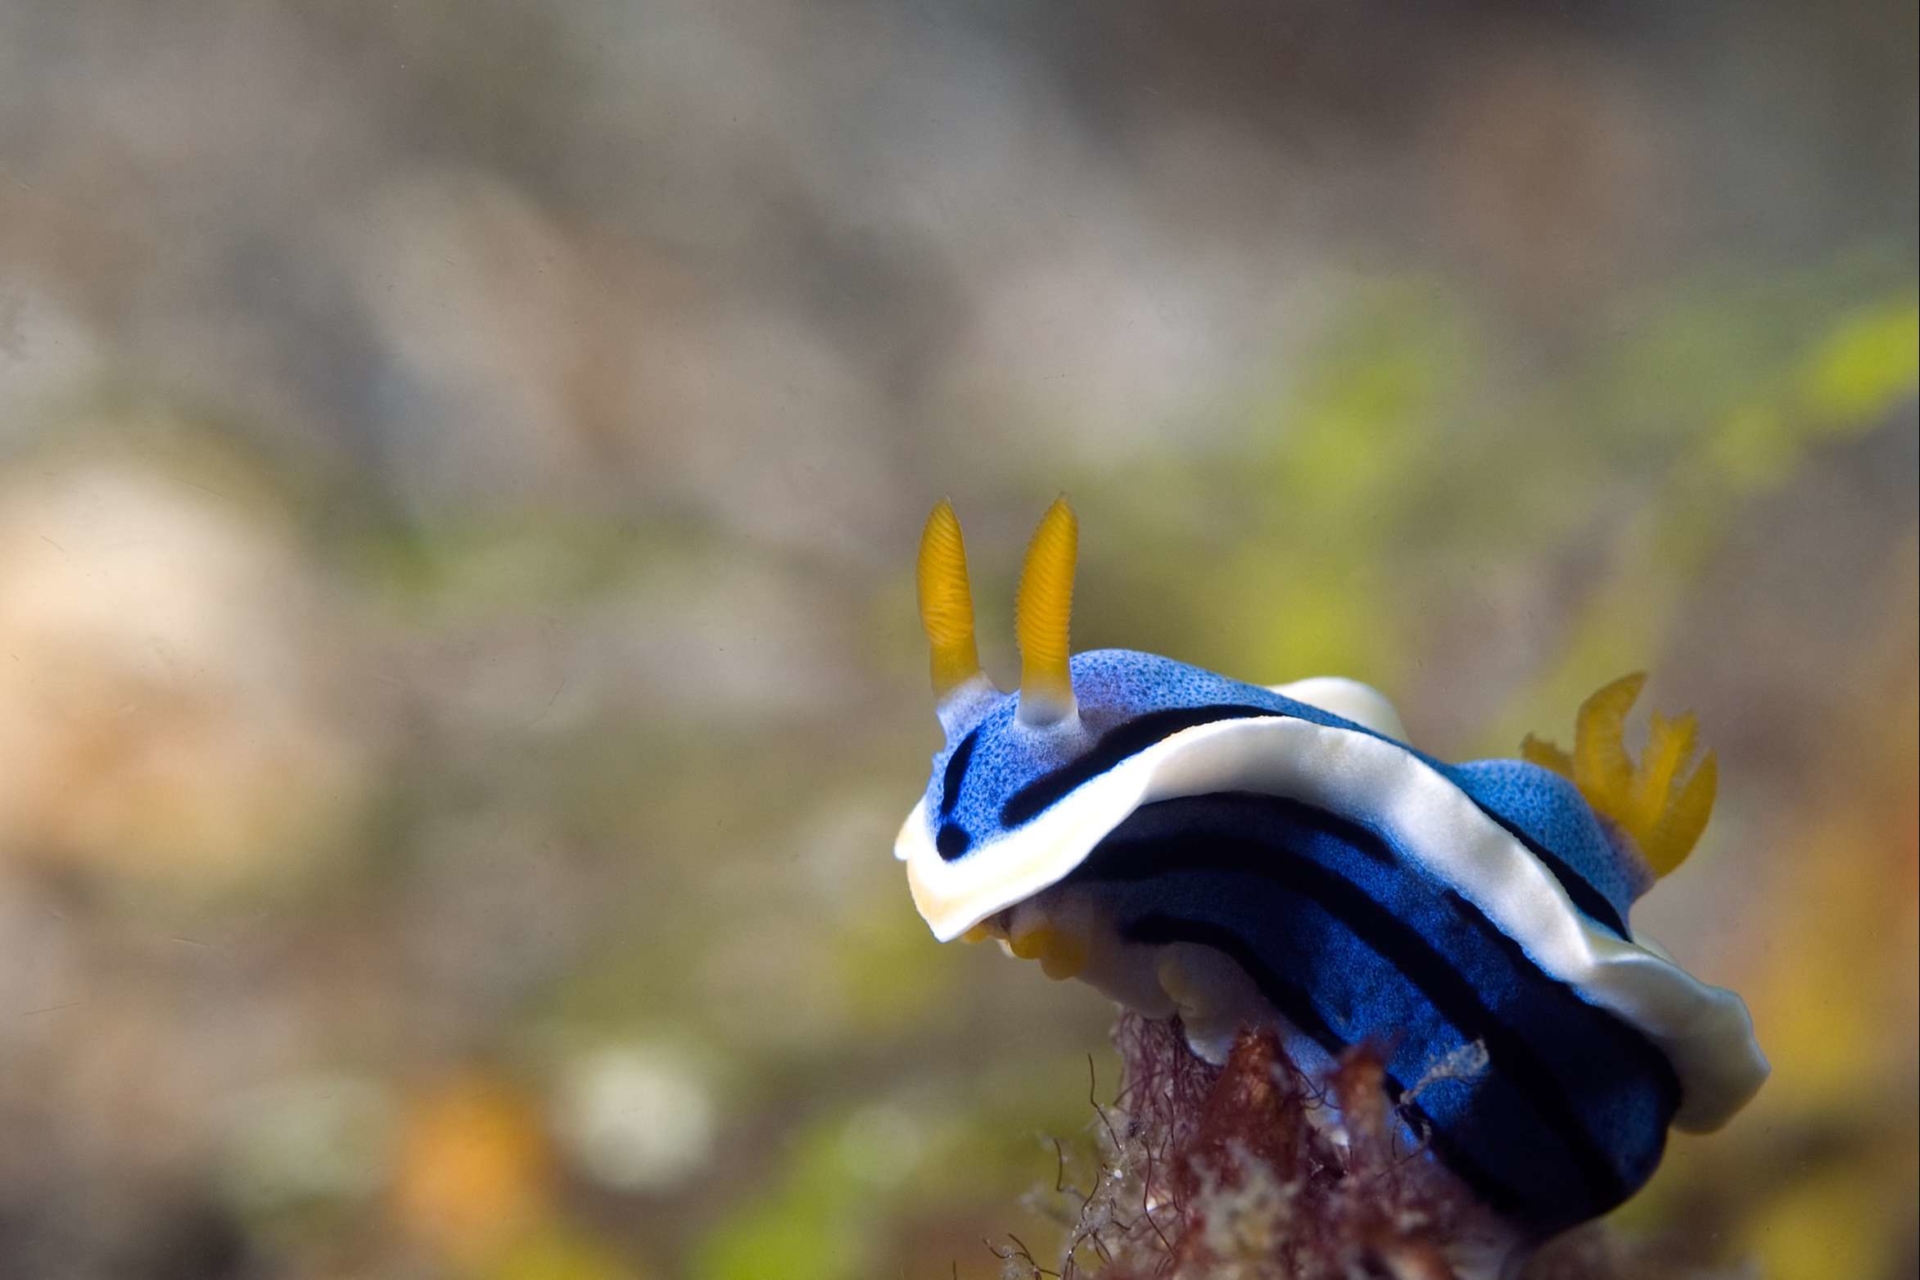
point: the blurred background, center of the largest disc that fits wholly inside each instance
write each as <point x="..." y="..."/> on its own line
<point x="460" y="467"/>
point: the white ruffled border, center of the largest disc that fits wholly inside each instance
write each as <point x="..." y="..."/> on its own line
<point x="1704" y="1030"/>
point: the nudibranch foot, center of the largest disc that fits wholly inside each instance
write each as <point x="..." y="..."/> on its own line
<point x="1214" y="997"/>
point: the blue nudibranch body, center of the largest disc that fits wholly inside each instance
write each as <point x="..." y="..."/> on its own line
<point x="1242" y="855"/>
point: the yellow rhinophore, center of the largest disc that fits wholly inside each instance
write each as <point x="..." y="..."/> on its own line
<point x="1663" y="814"/>
<point x="946" y="602"/>
<point x="1041" y="614"/>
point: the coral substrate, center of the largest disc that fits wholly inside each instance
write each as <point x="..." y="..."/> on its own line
<point x="1237" y="1172"/>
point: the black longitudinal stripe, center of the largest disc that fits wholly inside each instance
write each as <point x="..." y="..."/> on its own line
<point x="1298" y="1007"/>
<point x="1578" y="887"/>
<point x="1128" y="738"/>
<point x="1647" y="1058"/>
<point x="1136" y="735"/>
<point x="1401" y="946"/>
<point x="956" y="770"/>
<point x="1369" y="843"/>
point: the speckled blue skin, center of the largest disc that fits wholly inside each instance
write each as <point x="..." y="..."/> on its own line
<point x="1114" y="686"/>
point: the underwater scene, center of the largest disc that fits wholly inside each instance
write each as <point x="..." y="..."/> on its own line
<point x="704" y="640"/>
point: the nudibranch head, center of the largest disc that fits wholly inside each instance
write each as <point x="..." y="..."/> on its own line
<point x="1247" y="855"/>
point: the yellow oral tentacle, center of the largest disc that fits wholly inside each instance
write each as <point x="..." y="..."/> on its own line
<point x="1066" y="958"/>
<point x="1030" y="943"/>
<point x="1062" y="954"/>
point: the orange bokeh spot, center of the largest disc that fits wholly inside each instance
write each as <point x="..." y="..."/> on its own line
<point x="474" y="1167"/>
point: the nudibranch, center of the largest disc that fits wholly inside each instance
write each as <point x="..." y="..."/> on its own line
<point x="1249" y="856"/>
